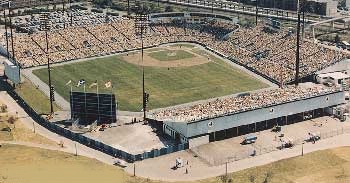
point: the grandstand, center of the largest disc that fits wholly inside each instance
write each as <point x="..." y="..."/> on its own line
<point x="228" y="117"/>
<point x="270" y="54"/>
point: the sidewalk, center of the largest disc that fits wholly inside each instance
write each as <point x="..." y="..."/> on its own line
<point x="69" y="145"/>
<point x="160" y="168"/>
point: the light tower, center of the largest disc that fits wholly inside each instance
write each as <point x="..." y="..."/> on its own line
<point x="5" y="21"/>
<point x="45" y="26"/>
<point x="297" y="56"/>
<point x="141" y="27"/>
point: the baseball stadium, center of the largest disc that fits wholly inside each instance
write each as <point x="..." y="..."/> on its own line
<point x="206" y="76"/>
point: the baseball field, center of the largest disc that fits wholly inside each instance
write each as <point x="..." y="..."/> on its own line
<point x="174" y="75"/>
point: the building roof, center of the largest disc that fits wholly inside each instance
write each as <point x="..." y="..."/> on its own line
<point x="232" y="105"/>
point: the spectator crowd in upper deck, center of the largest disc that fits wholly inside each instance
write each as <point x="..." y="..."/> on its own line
<point x="271" y="54"/>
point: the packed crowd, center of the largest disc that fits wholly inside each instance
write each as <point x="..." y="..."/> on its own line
<point x="271" y="54"/>
<point x="237" y="104"/>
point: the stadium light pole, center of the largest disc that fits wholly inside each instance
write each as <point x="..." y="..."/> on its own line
<point x="12" y="42"/>
<point x="141" y="24"/>
<point x="64" y="10"/>
<point x="303" y="9"/>
<point x="256" y="12"/>
<point x="128" y="7"/>
<point x="7" y="6"/>
<point x="6" y="33"/>
<point x="297" y="56"/>
<point x="45" y="26"/>
<point x="71" y="13"/>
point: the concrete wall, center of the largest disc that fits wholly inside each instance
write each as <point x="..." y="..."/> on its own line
<point x="206" y="126"/>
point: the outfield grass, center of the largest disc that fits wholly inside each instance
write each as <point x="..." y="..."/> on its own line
<point x="167" y="86"/>
<point x="34" y="165"/>
<point x="165" y="55"/>
<point x="35" y="98"/>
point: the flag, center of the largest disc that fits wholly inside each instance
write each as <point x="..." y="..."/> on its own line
<point x="81" y="82"/>
<point x="108" y="84"/>
<point x="69" y="82"/>
<point x="93" y="84"/>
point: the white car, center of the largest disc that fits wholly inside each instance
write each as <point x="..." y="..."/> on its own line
<point x="120" y="163"/>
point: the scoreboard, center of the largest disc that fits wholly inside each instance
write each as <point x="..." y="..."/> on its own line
<point x="89" y="107"/>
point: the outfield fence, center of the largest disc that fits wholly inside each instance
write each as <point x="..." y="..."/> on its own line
<point x="94" y="144"/>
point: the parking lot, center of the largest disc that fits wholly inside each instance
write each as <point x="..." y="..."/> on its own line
<point x="219" y="152"/>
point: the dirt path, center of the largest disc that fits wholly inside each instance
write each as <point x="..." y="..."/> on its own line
<point x="134" y="58"/>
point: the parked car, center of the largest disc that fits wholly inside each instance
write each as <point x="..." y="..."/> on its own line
<point x="249" y="139"/>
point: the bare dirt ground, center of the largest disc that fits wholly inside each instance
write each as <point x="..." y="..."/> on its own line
<point x="133" y="138"/>
<point x="134" y="58"/>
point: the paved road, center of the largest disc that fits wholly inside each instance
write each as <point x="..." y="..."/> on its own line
<point x="240" y="8"/>
<point x="160" y="168"/>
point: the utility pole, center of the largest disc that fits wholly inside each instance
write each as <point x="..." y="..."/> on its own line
<point x="141" y="25"/>
<point x="297" y="61"/>
<point x="45" y="25"/>
<point x="76" y="150"/>
<point x="302" y="149"/>
<point x="226" y="173"/>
